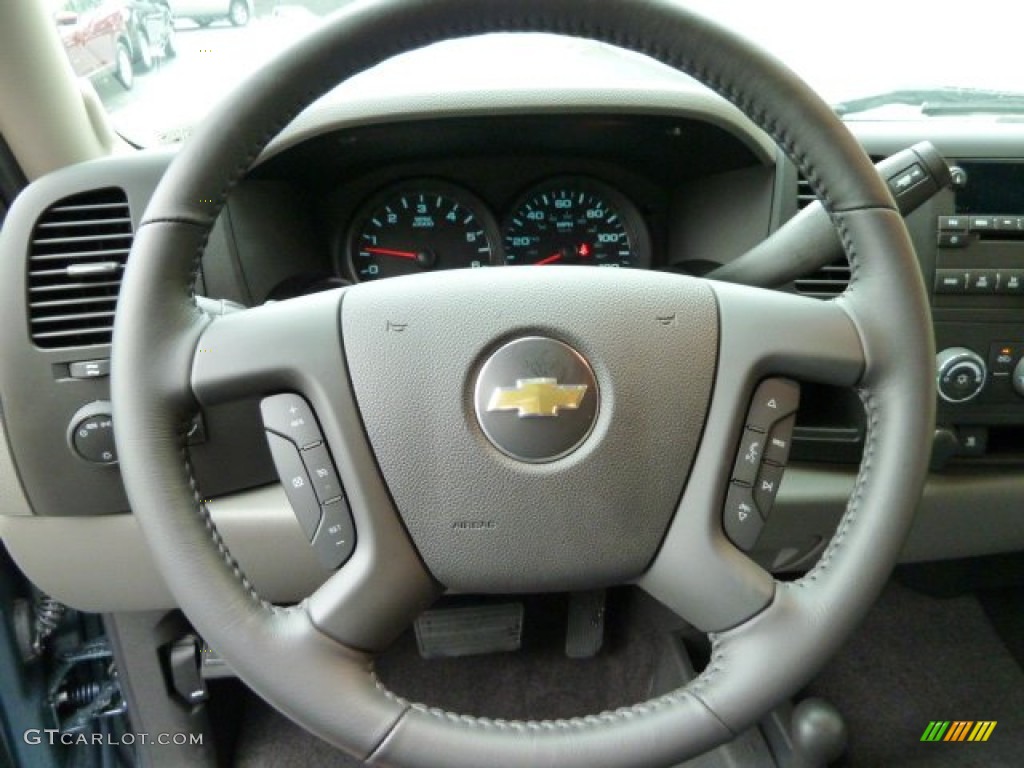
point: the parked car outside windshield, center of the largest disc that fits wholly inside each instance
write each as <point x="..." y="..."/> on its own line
<point x="115" y="37"/>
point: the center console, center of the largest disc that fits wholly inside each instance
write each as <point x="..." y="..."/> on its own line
<point x="978" y="308"/>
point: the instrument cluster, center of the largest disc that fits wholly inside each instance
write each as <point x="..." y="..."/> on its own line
<point x="426" y="224"/>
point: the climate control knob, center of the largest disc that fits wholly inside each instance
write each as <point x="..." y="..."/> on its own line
<point x="961" y="374"/>
<point x="1018" y="378"/>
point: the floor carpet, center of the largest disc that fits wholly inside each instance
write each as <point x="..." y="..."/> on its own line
<point x="915" y="659"/>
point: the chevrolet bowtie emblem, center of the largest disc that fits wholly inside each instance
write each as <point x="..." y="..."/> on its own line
<point x="537" y="397"/>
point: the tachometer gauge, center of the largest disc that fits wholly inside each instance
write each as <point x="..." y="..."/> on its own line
<point x="420" y="226"/>
<point x="576" y="221"/>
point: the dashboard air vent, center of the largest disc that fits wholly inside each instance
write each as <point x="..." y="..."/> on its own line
<point x="828" y="282"/>
<point x="76" y="257"/>
<point x="831" y="280"/>
<point x="804" y="194"/>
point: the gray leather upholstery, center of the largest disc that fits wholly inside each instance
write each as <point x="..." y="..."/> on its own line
<point x="328" y="688"/>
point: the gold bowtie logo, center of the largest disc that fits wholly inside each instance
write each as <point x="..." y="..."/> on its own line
<point x="537" y="397"/>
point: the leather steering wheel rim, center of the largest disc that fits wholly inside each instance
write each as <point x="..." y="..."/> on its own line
<point x="313" y="661"/>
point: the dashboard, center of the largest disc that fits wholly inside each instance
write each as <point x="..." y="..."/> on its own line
<point x="667" y="177"/>
<point x="601" y="190"/>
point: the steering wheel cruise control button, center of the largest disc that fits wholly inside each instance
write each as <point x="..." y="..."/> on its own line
<point x="322" y="475"/>
<point x="743" y="522"/>
<point x="290" y="416"/>
<point x="336" y="537"/>
<point x="297" y="485"/>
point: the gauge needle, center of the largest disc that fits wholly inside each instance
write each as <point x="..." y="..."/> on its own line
<point x="549" y="260"/>
<point x="389" y="252"/>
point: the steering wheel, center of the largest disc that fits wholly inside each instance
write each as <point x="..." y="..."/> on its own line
<point x="396" y="372"/>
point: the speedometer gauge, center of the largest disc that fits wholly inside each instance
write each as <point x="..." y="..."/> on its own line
<point x="420" y="226"/>
<point x="575" y="221"/>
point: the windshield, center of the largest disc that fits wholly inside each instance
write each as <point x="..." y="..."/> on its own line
<point x="872" y="60"/>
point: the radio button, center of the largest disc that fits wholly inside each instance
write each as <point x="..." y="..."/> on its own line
<point x="953" y="223"/>
<point x="1011" y="281"/>
<point x="951" y="281"/>
<point x="981" y="281"/>
<point x="973" y="441"/>
<point x="982" y="223"/>
<point x="1002" y="355"/>
<point x="1006" y="223"/>
<point x="961" y="374"/>
<point x="953" y="239"/>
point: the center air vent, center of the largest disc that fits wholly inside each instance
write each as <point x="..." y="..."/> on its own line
<point x="77" y="255"/>
<point x="804" y="194"/>
<point x="831" y="280"/>
<point x="827" y="282"/>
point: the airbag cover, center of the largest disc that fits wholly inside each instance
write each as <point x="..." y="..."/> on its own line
<point x="482" y="520"/>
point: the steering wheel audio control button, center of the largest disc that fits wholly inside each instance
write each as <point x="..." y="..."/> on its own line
<point x="322" y="474"/>
<point x="297" y="485"/>
<point x="336" y="537"/>
<point x="767" y="486"/>
<point x="741" y="520"/>
<point x="760" y="460"/>
<point x="750" y="455"/>
<point x="776" y="450"/>
<point x="290" y="416"/>
<point x="774" y="400"/>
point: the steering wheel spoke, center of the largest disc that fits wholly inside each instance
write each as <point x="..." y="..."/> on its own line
<point x="349" y="607"/>
<point x="293" y="346"/>
<point x="771" y="333"/>
<point x="699" y="572"/>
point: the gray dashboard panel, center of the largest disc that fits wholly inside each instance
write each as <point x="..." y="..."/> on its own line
<point x="13" y="500"/>
<point x="102" y="563"/>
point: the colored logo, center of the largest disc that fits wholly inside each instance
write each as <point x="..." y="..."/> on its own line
<point x="550" y="410"/>
<point x="537" y="397"/>
<point x="958" y="730"/>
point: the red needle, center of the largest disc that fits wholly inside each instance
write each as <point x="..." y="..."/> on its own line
<point x="390" y="252"/>
<point x="549" y="260"/>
